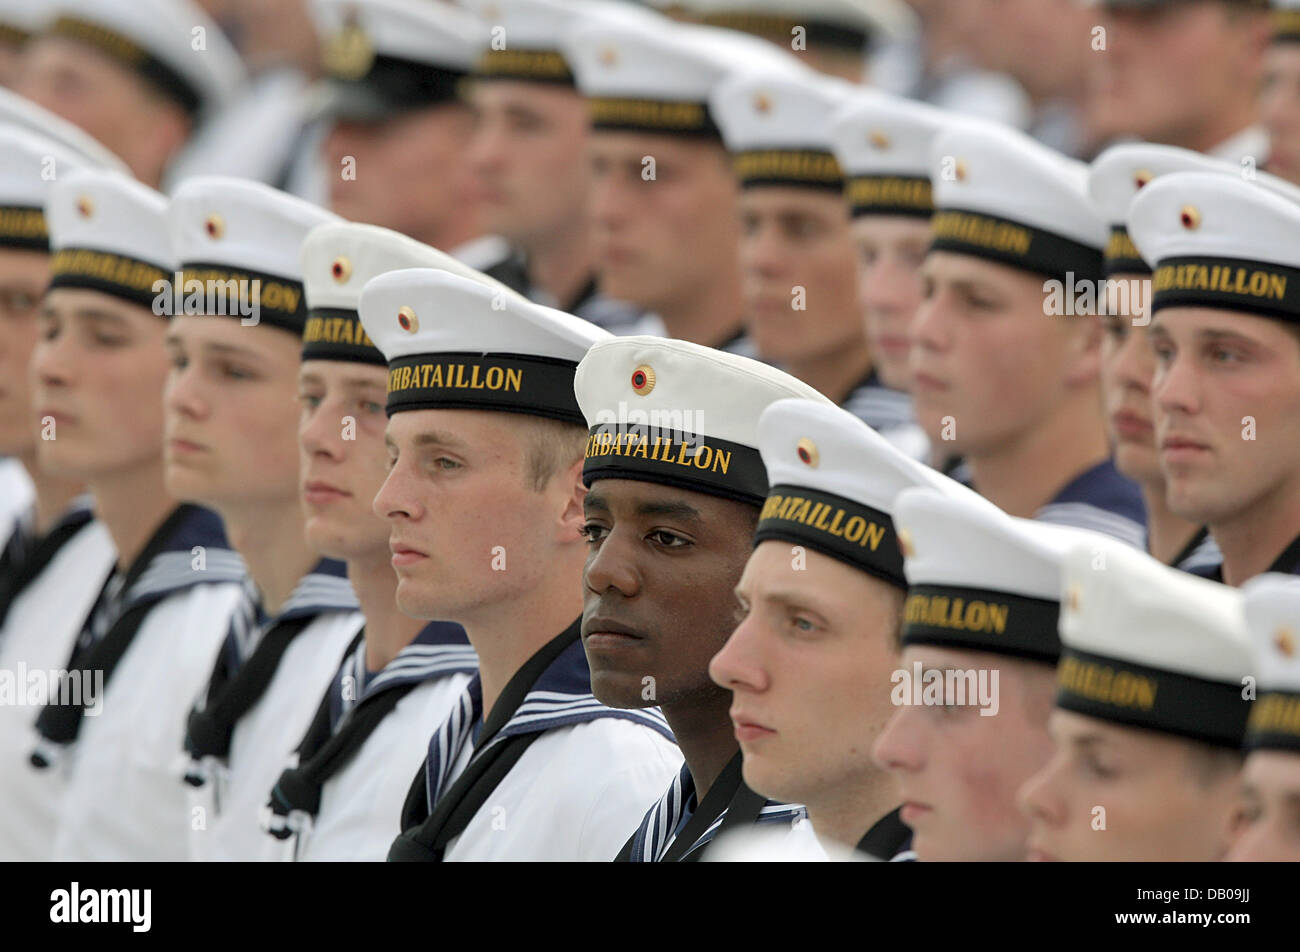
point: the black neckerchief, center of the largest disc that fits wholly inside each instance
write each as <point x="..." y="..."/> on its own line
<point x="888" y="837"/>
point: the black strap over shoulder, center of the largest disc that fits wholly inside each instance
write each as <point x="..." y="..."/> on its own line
<point x="209" y="731"/>
<point x="15" y="578"/>
<point x="717" y="800"/>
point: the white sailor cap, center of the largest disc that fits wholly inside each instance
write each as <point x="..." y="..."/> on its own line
<point x="30" y="164"/>
<point x="1146" y="645"/>
<point x="1272" y="606"/>
<point x="834" y="481"/>
<point x="979" y="579"/>
<point x="108" y="233"/>
<point x="1286" y="21"/>
<point x="236" y="230"/>
<point x="1219" y="242"/>
<point x="655" y="75"/>
<point x="673" y="412"/>
<point x="851" y="25"/>
<point x="20" y="20"/>
<point x="383" y="57"/>
<point x="523" y="38"/>
<point x="173" y="44"/>
<point x="776" y="128"/>
<point x="883" y="143"/>
<point x="457" y="344"/>
<point x="1002" y="196"/>
<point x="16" y="110"/>
<point x="338" y="259"/>
<point x="1117" y="175"/>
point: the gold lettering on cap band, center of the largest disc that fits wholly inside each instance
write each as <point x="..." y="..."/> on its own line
<point x="1228" y="279"/>
<point x="824" y="517"/>
<point x="23" y="223"/>
<point x="336" y="330"/>
<point x="889" y="191"/>
<point x="110" y="268"/>
<point x="1275" y="714"/>
<point x="651" y="113"/>
<point x="797" y="165"/>
<point x="663" y="449"/>
<point x="1108" y="685"/>
<point x="457" y="376"/>
<point x="982" y="232"/>
<point x="957" y="614"/>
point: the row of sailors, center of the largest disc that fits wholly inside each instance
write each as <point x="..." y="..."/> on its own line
<point x="506" y="573"/>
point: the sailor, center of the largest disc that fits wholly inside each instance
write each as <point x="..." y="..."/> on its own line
<point x="484" y="504"/>
<point x="820" y="607"/>
<point x="530" y="151"/>
<point x="148" y="644"/>
<point x="1279" y="98"/>
<point x="978" y="674"/>
<point x="836" y="37"/>
<point x="1271" y="776"/>
<point x="1012" y="272"/>
<point x="675" y="482"/>
<point x="1184" y="74"/>
<point x="231" y="423"/>
<point x="1150" y="714"/>
<point x="882" y="144"/>
<point x="663" y="197"/>
<point x="396" y="154"/>
<point x="55" y="555"/>
<point x="138" y="75"/>
<point x="1225" y="325"/>
<point x="799" y="267"/>
<point x="340" y="797"/>
<point x="1128" y="362"/>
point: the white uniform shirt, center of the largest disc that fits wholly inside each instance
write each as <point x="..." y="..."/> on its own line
<point x="361" y="806"/>
<point x="577" y="793"/>
<point x="37" y="637"/>
<point x="124" y="798"/>
<point x="232" y="801"/>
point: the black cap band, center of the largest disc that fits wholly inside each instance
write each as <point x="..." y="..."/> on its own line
<point x="781" y="29"/>
<point x="221" y="290"/>
<point x="1274" y="722"/>
<point x="1123" y="692"/>
<point x="130" y="279"/>
<point x="1013" y="243"/>
<point x="1232" y="284"/>
<point x="889" y="195"/>
<point x="800" y="168"/>
<point x="1286" y="26"/>
<point x="337" y="334"/>
<point x="398" y="85"/>
<point x="130" y="54"/>
<point x="842" y="528"/>
<point x="511" y="383"/>
<point x="952" y="616"/>
<point x="531" y="66"/>
<point x="683" y="118"/>
<point x="703" y="464"/>
<point x="24" y="228"/>
<point x="11" y="35"/>
<point x="1121" y="255"/>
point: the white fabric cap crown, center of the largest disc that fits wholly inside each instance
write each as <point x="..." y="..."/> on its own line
<point x="655" y="75"/>
<point x="677" y="413"/>
<point x="1219" y="242"/>
<point x="1000" y="195"/>
<point x="1272" y="606"/>
<point x="20" y="19"/>
<point x="109" y="234"/>
<point x="1118" y="174"/>
<point x="1146" y="645"/>
<point x="883" y="143"/>
<point x="172" y="43"/>
<point x="338" y="259"/>
<point x="456" y="343"/>
<point x="979" y="579"/>
<point x="777" y="128"/>
<point x="834" y="481"/>
<point x="30" y="164"/>
<point x="228" y="229"/>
